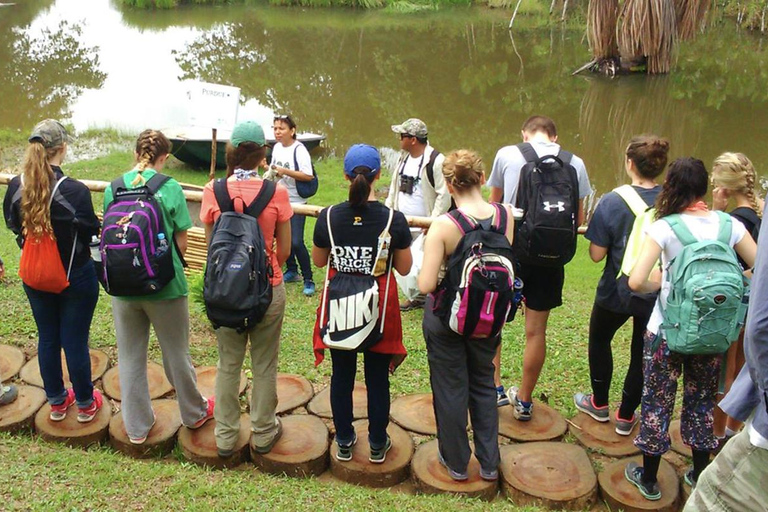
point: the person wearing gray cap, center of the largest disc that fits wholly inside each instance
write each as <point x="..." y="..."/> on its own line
<point x="418" y="188"/>
<point x="39" y="204"/>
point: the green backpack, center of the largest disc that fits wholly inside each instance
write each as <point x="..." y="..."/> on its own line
<point x="705" y="309"/>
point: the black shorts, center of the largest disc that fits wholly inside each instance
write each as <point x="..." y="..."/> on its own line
<point x="542" y="286"/>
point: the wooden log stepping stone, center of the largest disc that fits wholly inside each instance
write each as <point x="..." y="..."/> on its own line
<point x="361" y="471"/>
<point x="555" y="475"/>
<point x="20" y="414"/>
<point x="159" y="385"/>
<point x="320" y="405"/>
<point x="602" y="437"/>
<point x="206" y="381"/>
<point x="30" y="373"/>
<point x="162" y="437"/>
<point x="546" y="424"/>
<point x="11" y="361"/>
<point x="293" y="391"/>
<point x="677" y="439"/>
<point x="619" y="494"/>
<point x="415" y="413"/>
<point x="301" y="451"/>
<point x="70" y="431"/>
<point x="430" y="477"/>
<point x="199" y="446"/>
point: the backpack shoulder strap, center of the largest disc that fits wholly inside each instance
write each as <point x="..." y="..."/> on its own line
<point x="431" y="167"/>
<point x="464" y="222"/>
<point x="632" y="198"/>
<point x="117" y="184"/>
<point x="500" y="219"/>
<point x="726" y="228"/>
<point x="527" y="151"/>
<point x="220" y="191"/>
<point x="565" y="156"/>
<point x="295" y="159"/>
<point x="262" y="199"/>
<point x="680" y="230"/>
<point x="156" y="182"/>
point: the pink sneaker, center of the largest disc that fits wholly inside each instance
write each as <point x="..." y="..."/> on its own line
<point x="59" y="412"/>
<point x="86" y="414"/>
<point x="208" y="415"/>
<point x="143" y="439"/>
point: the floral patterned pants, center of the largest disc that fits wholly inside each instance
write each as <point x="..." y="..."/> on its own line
<point x="661" y="371"/>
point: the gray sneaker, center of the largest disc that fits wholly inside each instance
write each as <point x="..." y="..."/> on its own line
<point x="379" y="455"/>
<point x="455" y="475"/>
<point x="634" y="475"/>
<point x="521" y="411"/>
<point x="501" y="397"/>
<point x="490" y="475"/>
<point x="10" y="393"/>
<point x="344" y="451"/>
<point x="624" y="427"/>
<point x="586" y="404"/>
<point x="268" y="447"/>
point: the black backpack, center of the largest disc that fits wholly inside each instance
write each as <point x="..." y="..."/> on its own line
<point x="477" y="295"/>
<point x="136" y="253"/>
<point x="548" y="194"/>
<point x="237" y="290"/>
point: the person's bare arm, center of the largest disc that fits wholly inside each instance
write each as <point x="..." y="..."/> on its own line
<point x="597" y="253"/>
<point x="581" y="216"/>
<point x="747" y="249"/>
<point x="320" y="255"/>
<point x="434" y="253"/>
<point x="208" y="228"/>
<point x="402" y="259"/>
<point x="181" y="241"/>
<point x="496" y="196"/>
<point x="283" y="238"/>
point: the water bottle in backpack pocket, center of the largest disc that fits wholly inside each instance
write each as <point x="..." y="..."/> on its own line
<point x="135" y="255"/>
<point x="477" y="295"/>
<point x="705" y="309"/>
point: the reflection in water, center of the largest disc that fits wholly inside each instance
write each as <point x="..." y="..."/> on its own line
<point x="40" y="75"/>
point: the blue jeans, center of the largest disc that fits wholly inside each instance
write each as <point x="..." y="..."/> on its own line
<point x="64" y="321"/>
<point x="298" y="249"/>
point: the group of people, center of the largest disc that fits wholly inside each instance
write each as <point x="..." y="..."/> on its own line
<point x="363" y="244"/>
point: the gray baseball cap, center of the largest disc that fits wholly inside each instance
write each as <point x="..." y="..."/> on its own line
<point x="413" y="126"/>
<point x="50" y="133"/>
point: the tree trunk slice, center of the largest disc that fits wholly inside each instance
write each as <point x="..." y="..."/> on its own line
<point x="546" y="424"/>
<point x="431" y="477"/>
<point x="677" y="439"/>
<point x="301" y="451"/>
<point x="20" y="414"/>
<point x="415" y="413"/>
<point x="159" y="385"/>
<point x="11" y="361"/>
<point x="199" y="446"/>
<point x="361" y="471"/>
<point x="555" y="475"/>
<point x="30" y="373"/>
<point x="70" y="431"/>
<point x="602" y="437"/>
<point x="320" y="405"/>
<point x="620" y="494"/>
<point x="162" y="437"/>
<point x="293" y="391"/>
<point x="206" y="381"/>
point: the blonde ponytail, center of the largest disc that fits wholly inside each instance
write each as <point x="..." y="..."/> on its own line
<point x="38" y="178"/>
<point x="735" y="172"/>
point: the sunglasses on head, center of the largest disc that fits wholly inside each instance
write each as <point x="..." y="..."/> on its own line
<point x="282" y="117"/>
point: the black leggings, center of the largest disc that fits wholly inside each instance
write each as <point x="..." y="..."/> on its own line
<point x="603" y="325"/>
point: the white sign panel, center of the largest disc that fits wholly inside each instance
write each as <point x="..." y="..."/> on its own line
<point x="213" y="105"/>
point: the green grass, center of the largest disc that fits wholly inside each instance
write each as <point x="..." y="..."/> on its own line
<point x="42" y="476"/>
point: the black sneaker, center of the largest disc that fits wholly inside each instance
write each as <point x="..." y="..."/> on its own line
<point x="634" y="475"/>
<point x="344" y="451"/>
<point x="379" y="455"/>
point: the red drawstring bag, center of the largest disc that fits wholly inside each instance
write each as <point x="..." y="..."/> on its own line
<point x="40" y="266"/>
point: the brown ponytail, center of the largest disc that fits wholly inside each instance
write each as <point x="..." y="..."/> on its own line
<point x="685" y="183"/>
<point x="463" y="169"/>
<point x="360" y="189"/>
<point x="36" y="192"/>
<point x="150" y="146"/>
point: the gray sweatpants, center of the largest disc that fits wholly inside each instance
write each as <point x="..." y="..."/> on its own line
<point x="170" y="319"/>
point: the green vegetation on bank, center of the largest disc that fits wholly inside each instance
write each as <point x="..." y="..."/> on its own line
<point x="45" y="475"/>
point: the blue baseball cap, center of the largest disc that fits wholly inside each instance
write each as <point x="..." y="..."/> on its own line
<point x="362" y="155"/>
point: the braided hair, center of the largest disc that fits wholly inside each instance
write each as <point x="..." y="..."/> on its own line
<point x="735" y="172"/>
<point x="150" y="146"/>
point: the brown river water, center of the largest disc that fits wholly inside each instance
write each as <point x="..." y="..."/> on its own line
<point x="351" y="74"/>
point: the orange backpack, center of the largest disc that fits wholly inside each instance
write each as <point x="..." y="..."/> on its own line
<point x="40" y="266"/>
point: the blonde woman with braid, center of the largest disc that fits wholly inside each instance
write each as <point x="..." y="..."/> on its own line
<point x="734" y="181"/>
<point x="166" y="310"/>
<point x="42" y="201"/>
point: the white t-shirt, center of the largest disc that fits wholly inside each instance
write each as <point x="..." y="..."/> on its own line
<point x="412" y="204"/>
<point x="505" y="173"/>
<point x="283" y="157"/>
<point x="702" y="228"/>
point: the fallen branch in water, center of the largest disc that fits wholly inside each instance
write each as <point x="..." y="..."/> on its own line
<point x="585" y="67"/>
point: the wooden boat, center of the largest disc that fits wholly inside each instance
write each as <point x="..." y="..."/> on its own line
<point x="192" y="145"/>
